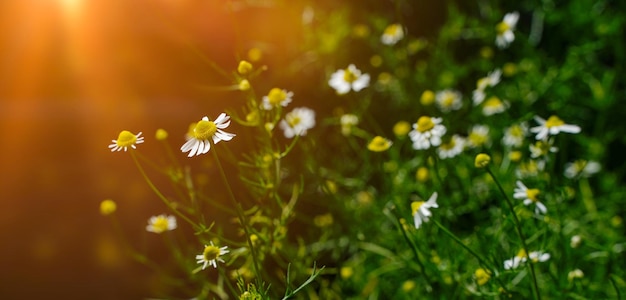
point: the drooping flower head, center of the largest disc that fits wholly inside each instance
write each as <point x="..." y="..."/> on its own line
<point x="504" y="30"/>
<point x="553" y="126"/>
<point x="161" y="223"/>
<point x="393" y="34"/>
<point x="297" y="122"/>
<point x="276" y="97"/>
<point x="421" y="210"/>
<point x="211" y="255"/>
<point x="203" y="132"/>
<point x="427" y="132"/>
<point x="126" y="139"/>
<point x="348" y="79"/>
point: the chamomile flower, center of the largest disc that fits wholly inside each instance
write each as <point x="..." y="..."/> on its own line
<point x="198" y="140"/>
<point x="126" y="139"/>
<point x="530" y="168"/>
<point x="530" y="196"/>
<point x="161" y="223"/>
<point x="542" y="148"/>
<point x="276" y="97"/>
<point x="448" y="100"/>
<point x="211" y="255"/>
<point x="514" y="135"/>
<point x="492" y="79"/>
<point x="581" y="168"/>
<point x="427" y="132"/>
<point x="393" y="34"/>
<point x="521" y="257"/>
<point x="452" y="148"/>
<point x="348" y="121"/>
<point x="379" y="144"/>
<point x="504" y="29"/>
<point x="537" y="256"/>
<point x="297" y="122"/>
<point x="553" y="126"/>
<point x="478" y="136"/>
<point x="421" y="210"/>
<point x="348" y="79"/>
<point x="494" y="105"/>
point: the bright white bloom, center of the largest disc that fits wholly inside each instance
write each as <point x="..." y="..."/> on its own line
<point x="542" y="148"/>
<point x="349" y="79"/>
<point x="276" y="97"/>
<point x="491" y="80"/>
<point x="552" y="126"/>
<point x="494" y="105"/>
<point x="199" y="138"/>
<point x="348" y="121"/>
<point x="514" y="135"/>
<point x="448" y="100"/>
<point x="581" y="168"/>
<point x="161" y="223"/>
<point x="126" y="139"/>
<point x="427" y="132"/>
<point x="421" y="210"/>
<point x="530" y="196"/>
<point x="452" y="148"/>
<point x="478" y="136"/>
<point x="504" y="29"/>
<point x="478" y="96"/>
<point x="393" y="33"/>
<point x="298" y="121"/>
<point x="521" y="257"/>
<point x="211" y="255"/>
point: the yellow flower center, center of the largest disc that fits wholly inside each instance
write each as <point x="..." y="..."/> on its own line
<point x="211" y="252"/>
<point x="427" y="97"/>
<point x="160" y="224"/>
<point x="293" y="121"/>
<point x="493" y="102"/>
<point x="448" y="100"/>
<point x="482" y="276"/>
<point x="379" y="144"/>
<point x="482" y="83"/>
<point x="448" y="146"/>
<point x="349" y="76"/>
<point x="415" y="206"/>
<point x="401" y="128"/>
<point x="126" y="139"/>
<point x="521" y="253"/>
<point x="107" y="207"/>
<point x="204" y="130"/>
<point x="425" y="124"/>
<point x="554" y="121"/>
<point x="502" y="27"/>
<point x="516" y="131"/>
<point x="477" y="138"/>
<point x="543" y="147"/>
<point x="532" y="194"/>
<point x="276" y="96"/>
<point x="392" y="29"/>
<point x="482" y="160"/>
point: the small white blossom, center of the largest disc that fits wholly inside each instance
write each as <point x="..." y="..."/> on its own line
<point x="581" y="168"/>
<point x="452" y="148"/>
<point x="297" y="122"/>
<point x="530" y="196"/>
<point x="393" y="34"/>
<point x="448" y="100"/>
<point x="161" y="223"/>
<point x="205" y="131"/>
<point x="514" y="135"/>
<point x="427" y="132"/>
<point x="348" y="79"/>
<point x="421" y="210"/>
<point x="504" y="29"/>
<point x="211" y="255"/>
<point x="553" y="126"/>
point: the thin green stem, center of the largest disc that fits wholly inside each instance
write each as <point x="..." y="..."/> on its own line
<point x="518" y="228"/>
<point x="240" y="215"/>
<point x="480" y="259"/>
<point x="161" y="196"/>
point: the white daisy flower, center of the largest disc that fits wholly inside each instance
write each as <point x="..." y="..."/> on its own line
<point x="504" y="29"/>
<point x="514" y="262"/>
<point x="276" y="97"/>
<point x="491" y="80"/>
<point x="348" y="79"/>
<point x="448" y="100"/>
<point x="452" y="148"/>
<point x="521" y="257"/>
<point x="297" y="122"/>
<point x="530" y="196"/>
<point x="393" y="34"/>
<point x="552" y="126"/>
<point x="126" y="139"/>
<point x="542" y="148"/>
<point x="421" y="210"/>
<point x="161" y="223"/>
<point x="211" y="255"/>
<point x="199" y="138"/>
<point x="581" y="168"/>
<point x="427" y="132"/>
<point x="514" y="135"/>
<point x="348" y="121"/>
<point x="494" y="105"/>
<point x="478" y="136"/>
<point x="537" y="256"/>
